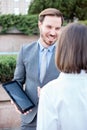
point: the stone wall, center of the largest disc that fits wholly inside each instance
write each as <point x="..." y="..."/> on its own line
<point x="13" y="42"/>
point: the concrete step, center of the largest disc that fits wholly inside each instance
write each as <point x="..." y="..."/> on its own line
<point x="17" y="128"/>
<point x="9" y="117"/>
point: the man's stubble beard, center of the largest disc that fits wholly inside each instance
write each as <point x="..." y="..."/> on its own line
<point x="49" y="43"/>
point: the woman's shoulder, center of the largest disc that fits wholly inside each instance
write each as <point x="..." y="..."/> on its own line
<point x="50" y="86"/>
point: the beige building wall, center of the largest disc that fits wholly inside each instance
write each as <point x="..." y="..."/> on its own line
<point x="14" y="6"/>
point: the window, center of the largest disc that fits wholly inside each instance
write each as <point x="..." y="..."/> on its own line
<point x="28" y="1"/>
<point x="26" y="11"/>
<point x="16" y="0"/>
<point x="16" y="11"/>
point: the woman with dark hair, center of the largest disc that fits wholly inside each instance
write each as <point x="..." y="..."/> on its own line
<point x="63" y="101"/>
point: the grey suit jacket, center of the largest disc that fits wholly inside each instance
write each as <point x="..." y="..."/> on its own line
<point x="26" y="72"/>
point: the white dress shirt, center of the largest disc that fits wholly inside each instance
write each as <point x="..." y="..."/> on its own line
<point x="63" y="103"/>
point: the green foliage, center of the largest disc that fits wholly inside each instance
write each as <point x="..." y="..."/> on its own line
<point x="69" y="8"/>
<point x="7" y="66"/>
<point x="83" y="22"/>
<point x="81" y="9"/>
<point x="37" y="6"/>
<point x="27" y="24"/>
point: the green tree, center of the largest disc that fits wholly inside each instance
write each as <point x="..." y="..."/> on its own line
<point x="70" y="8"/>
<point x="81" y="9"/>
<point x="67" y="7"/>
<point x="37" y="6"/>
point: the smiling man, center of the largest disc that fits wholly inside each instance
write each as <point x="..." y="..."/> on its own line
<point x="36" y="65"/>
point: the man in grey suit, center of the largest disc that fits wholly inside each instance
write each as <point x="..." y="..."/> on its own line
<point x="28" y="67"/>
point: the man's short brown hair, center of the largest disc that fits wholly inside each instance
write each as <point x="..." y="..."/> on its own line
<point x="50" y="12"/>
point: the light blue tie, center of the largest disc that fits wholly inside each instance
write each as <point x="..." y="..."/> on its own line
<point x="43" y="65"/>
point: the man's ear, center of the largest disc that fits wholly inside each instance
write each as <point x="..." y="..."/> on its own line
<point x="39" y="24"/>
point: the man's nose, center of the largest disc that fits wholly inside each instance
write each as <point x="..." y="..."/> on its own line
<point x="53" y="32"/>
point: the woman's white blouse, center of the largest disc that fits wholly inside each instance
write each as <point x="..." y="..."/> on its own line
<point x="63" y="103"/>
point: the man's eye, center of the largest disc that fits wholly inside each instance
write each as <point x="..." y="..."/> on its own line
<point x="49" y="27"/>
<point x="58" y="28"/>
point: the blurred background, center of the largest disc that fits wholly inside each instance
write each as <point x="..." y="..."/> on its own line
<point x="18" y="26"/>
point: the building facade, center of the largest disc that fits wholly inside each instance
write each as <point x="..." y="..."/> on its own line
<point x="14" y="6"/>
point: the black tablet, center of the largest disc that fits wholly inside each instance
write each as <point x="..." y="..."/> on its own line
<point x="18" y="95"/>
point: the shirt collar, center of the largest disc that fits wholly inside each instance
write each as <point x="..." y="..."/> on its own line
<point x="50" y="48"/>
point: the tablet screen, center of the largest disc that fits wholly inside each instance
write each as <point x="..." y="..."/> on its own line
<point x="18" y="95"/>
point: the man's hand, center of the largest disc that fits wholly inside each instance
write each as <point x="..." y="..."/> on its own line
<point x="18" y="110"/>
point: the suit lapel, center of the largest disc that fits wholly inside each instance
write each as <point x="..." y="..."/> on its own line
<point x="35" y="62"/>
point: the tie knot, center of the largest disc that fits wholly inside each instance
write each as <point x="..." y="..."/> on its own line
<point x="45" y="50"/>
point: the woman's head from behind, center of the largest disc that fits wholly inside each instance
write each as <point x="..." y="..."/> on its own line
<point x="71" y="51"/>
